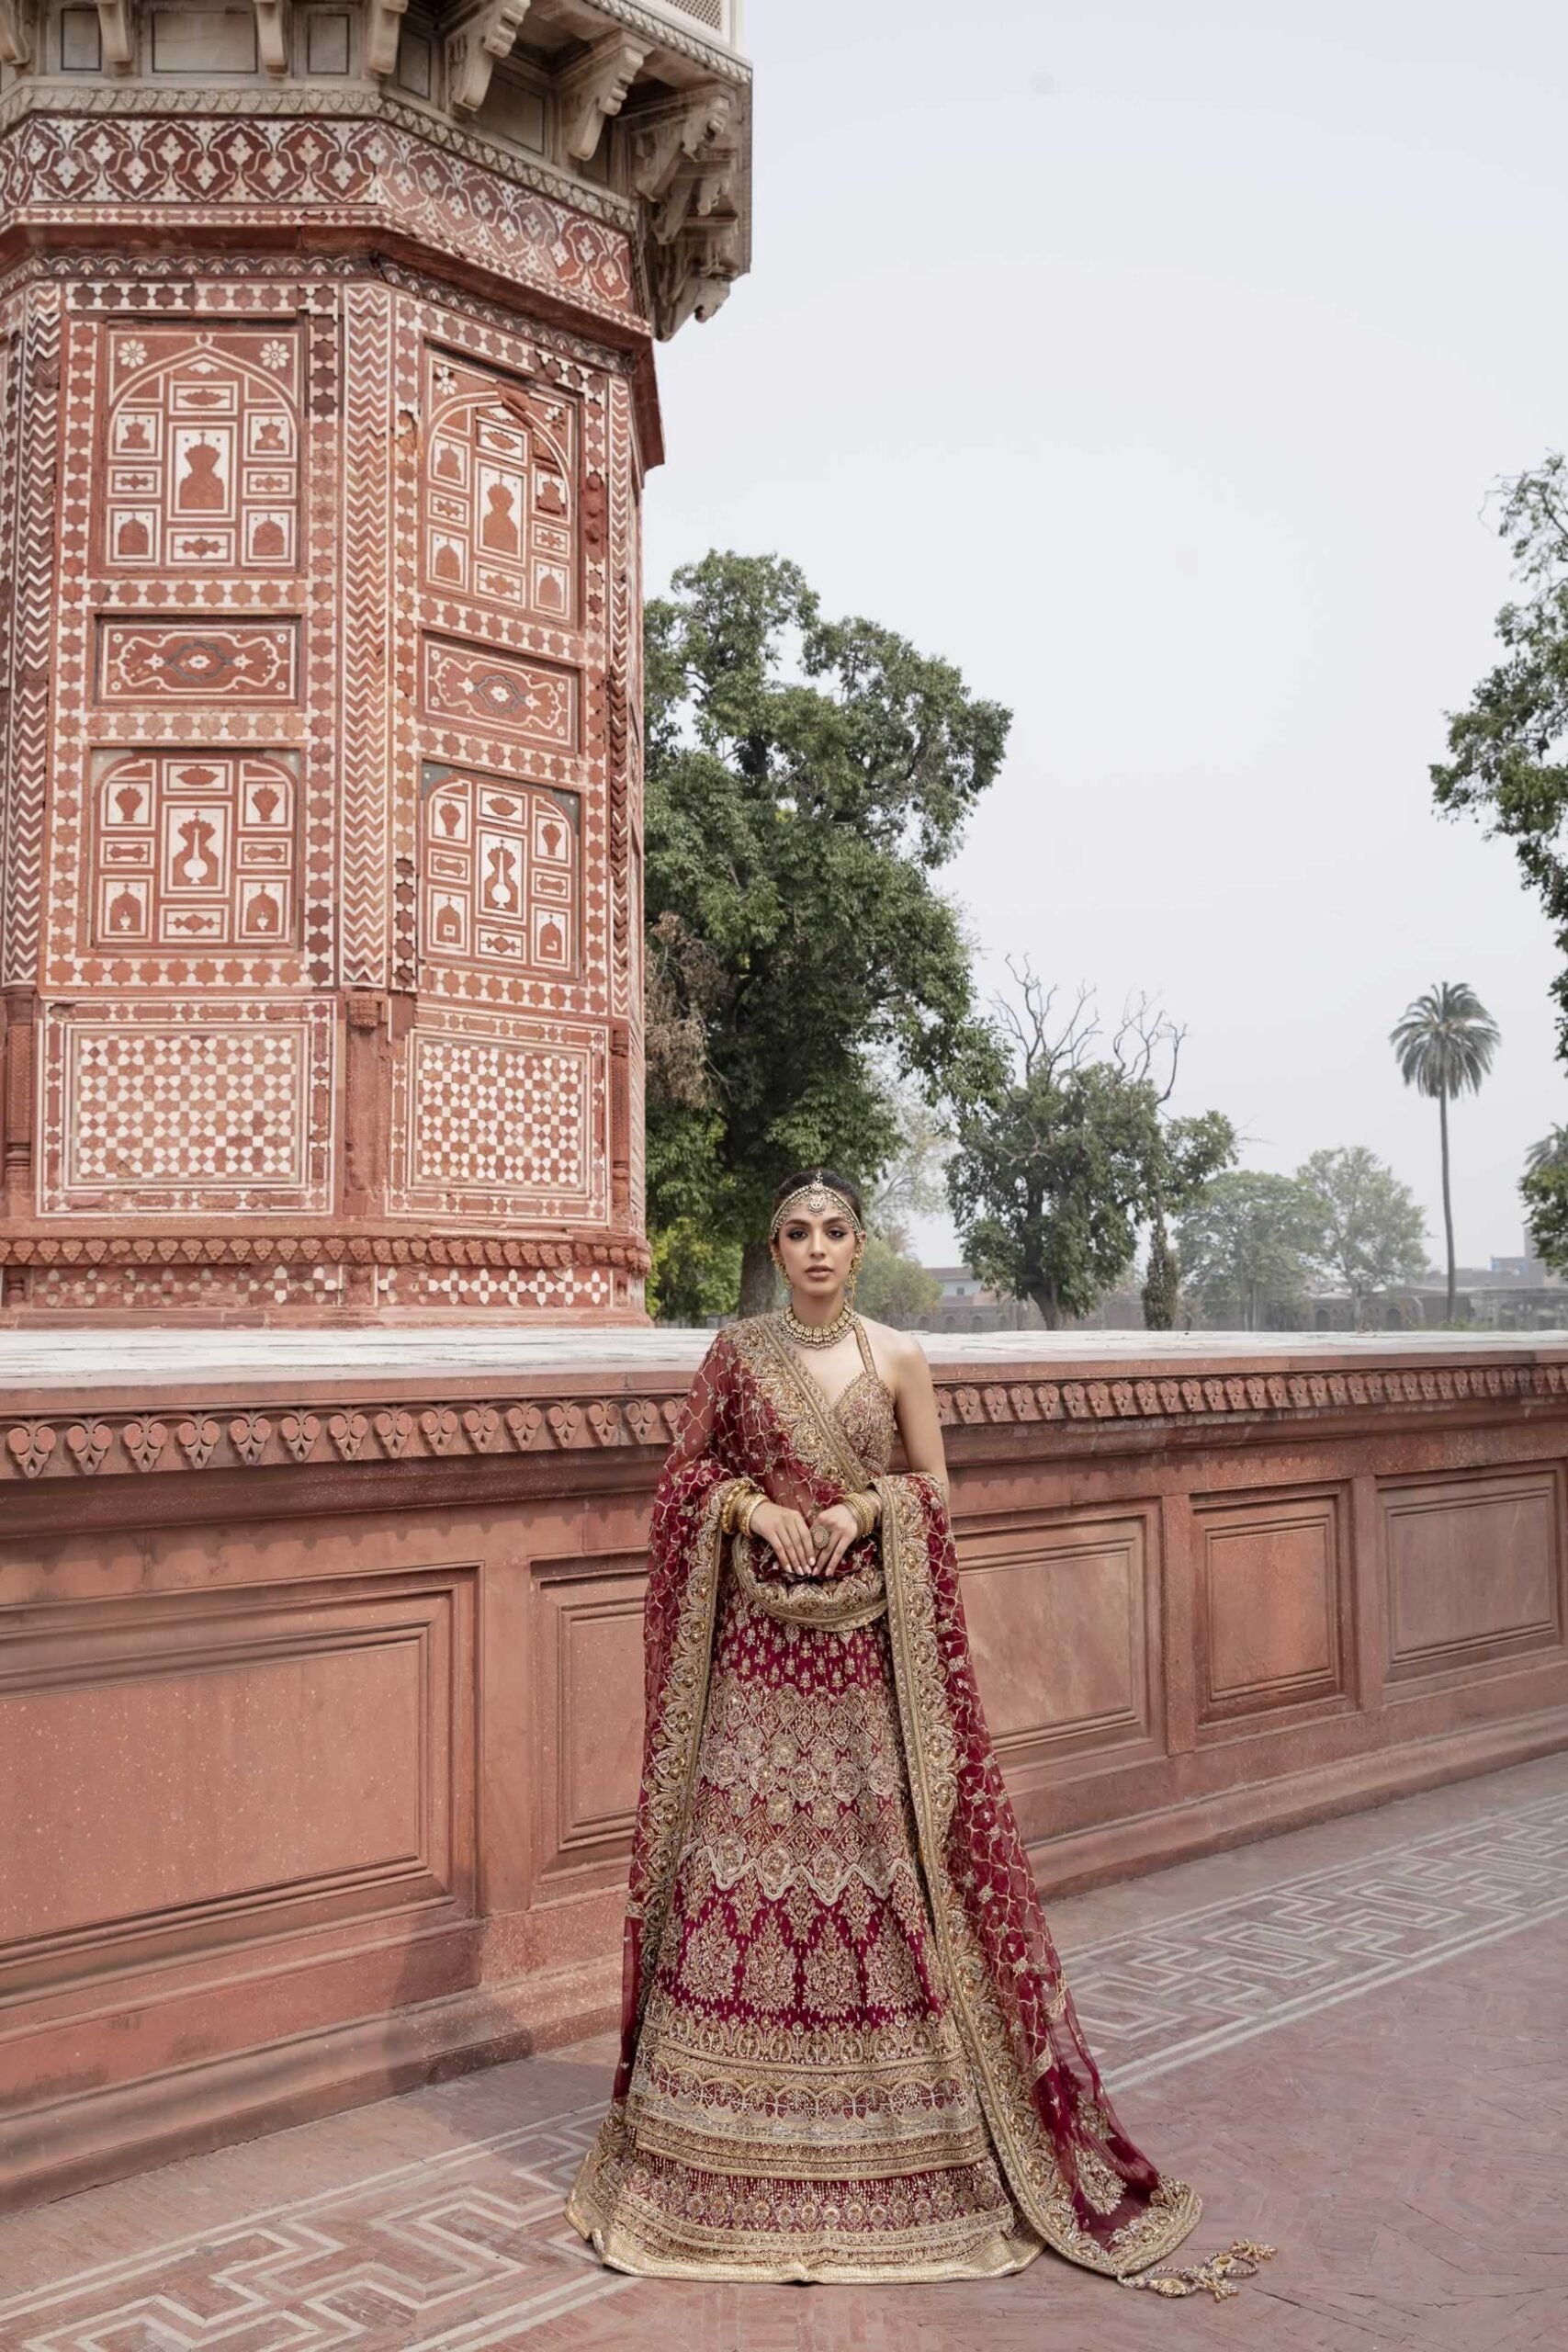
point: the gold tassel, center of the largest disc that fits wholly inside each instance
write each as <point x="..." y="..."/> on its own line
<point x="1237" y="2261"/>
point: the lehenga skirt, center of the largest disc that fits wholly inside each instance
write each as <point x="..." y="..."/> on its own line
<point x="800" y="2107"/>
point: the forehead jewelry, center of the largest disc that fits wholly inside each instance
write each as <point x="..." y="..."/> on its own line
<point x="815" y="1199"/>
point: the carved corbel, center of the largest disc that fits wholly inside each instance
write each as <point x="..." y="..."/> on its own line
<point x="695" y="196"/>
<point x="690" y="135"/>
<point x="596" y="88"/>
<point x="14" y="48"/>
<point x="272" y="34"/>
<point x="383" y="30"/>
<point x="474" y="47"/>
<point x="692" y="275"/>
<point x="115" y="32"/>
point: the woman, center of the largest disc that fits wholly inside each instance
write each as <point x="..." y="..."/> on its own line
<point x="847" y="2049"/>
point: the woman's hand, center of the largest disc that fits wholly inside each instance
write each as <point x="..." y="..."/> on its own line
<point x="832" y="1533"/>
<point x="786" y="1536"/>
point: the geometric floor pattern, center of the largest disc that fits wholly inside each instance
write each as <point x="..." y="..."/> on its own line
<point x="1151" y="2001"/>
<point x="1352" y="2038"/>
<point x="461" y="2250"/>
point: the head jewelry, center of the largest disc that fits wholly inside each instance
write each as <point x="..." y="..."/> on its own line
<point x="815" y="1199"/>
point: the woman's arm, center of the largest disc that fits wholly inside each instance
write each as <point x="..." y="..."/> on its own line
<point x="914" y="1400"/>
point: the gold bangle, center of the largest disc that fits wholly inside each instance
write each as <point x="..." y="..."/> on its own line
<point x="749" y="1510"/>
<point x="735" y="1503"/>
<point x="865" y="1506"/>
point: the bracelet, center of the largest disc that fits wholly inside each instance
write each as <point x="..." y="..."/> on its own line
<point x="866" y="1508"/>
<point x="752" y="1505"/>
<point x="735" y="1504"/>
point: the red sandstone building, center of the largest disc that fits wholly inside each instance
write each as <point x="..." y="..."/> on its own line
<point x="327" y="387"/>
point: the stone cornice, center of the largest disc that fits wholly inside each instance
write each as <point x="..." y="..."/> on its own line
<point x="663" y="33"/>
<point x="578" y="1415"/>
<point x="312" y="101"/>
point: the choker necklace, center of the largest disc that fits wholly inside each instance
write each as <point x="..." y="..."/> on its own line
<point x="819" y="1335"/>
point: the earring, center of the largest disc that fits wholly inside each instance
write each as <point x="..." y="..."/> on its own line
<point x="854" y="1276"/>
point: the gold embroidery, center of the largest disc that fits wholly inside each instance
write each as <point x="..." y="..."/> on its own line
<point x="1028" y="2162"/>
<point x="767" y="1981"/>
<point x="830" y="1976"/>
<point x="707" y="1963"/>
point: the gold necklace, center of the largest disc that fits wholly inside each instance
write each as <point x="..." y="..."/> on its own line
<point x="819" y="1335"/>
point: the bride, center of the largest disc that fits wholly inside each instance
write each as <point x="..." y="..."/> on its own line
<point x="848" y="2053"/>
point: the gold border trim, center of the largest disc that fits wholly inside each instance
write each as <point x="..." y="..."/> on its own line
<point x="1030" y="2169"/>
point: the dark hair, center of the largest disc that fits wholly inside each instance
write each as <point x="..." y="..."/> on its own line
<point x="835" y="1183"/>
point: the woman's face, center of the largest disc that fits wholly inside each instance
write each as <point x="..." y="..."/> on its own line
<point x="817" y="1253"/>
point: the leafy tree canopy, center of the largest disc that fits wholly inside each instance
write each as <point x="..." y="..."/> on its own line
<point x="1058" y="1167"/>
<point x="1368" y="1229"/>
<point x="1543" y="1188"/>
<point x="893" y="1284"/>
<point x="1508" y="750"/>
<point x="805" y="778"/>
<point x="1245" y="1245"/>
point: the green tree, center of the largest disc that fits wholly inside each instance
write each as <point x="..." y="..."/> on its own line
<point x="1508" y="750"/>
<point x="1246" y="1244"/>
<point x="1058" y="1167"/>
<point x="1161" y="1292"/>
<point x="893" y="1284"/>
<point x="1444" y="1043"/>
<point x="1543" y="1188"/>
<point x="805" y="777"/>
<point x="1367" y="1228"/>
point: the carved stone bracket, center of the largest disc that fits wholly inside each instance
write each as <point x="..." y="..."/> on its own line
<point x="690" y="133"/>
<point x="115" y="31"/>
<point x="383" y="30"/>
<point x="272" y="34"/>
<point x="14" y="48"/>
<point x="475" y="41"/>
<point x="596" y="88"/>
<point x="694" y="273"/>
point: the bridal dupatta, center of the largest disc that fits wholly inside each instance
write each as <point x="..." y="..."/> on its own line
<point x="1075" y="2182"/>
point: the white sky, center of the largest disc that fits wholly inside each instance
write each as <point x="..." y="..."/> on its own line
<point x="1153" y="362"/>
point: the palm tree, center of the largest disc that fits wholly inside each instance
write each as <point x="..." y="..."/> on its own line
<point x="1551" y="1151"/>
<point x="1444" y="1044"/>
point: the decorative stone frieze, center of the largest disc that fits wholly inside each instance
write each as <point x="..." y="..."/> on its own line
<point x="256" y="1432"/>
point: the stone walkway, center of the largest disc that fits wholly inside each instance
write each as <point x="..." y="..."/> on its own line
<point x="1353" y="2038"/>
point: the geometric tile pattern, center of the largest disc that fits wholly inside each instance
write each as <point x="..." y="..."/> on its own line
<point x="1169" y="1996"/>
<point x="500" y="872"/>
<point x="191" y="1106"/>
<point x="478" y="1287"/>
<point x="466" y="2248"/>
<point x="498" y="1113"/>
<point x="500" y="1116"/>
<point x="190" y="850"/>
<point x="146" y="1290"/>
<point x="200" y="464"/>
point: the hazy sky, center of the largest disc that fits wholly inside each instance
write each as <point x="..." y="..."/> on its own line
<point x="1153" y="363"/>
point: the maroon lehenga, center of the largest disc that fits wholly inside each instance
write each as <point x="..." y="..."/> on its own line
<point x="847" y="2052"/>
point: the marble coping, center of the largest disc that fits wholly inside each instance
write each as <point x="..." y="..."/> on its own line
<point x="141" y="1364"/>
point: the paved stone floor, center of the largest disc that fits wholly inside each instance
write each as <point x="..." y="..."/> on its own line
<point x="1354" y="2038"/>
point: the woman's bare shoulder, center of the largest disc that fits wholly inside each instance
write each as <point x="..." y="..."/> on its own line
<point x="898" y="1352"/>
